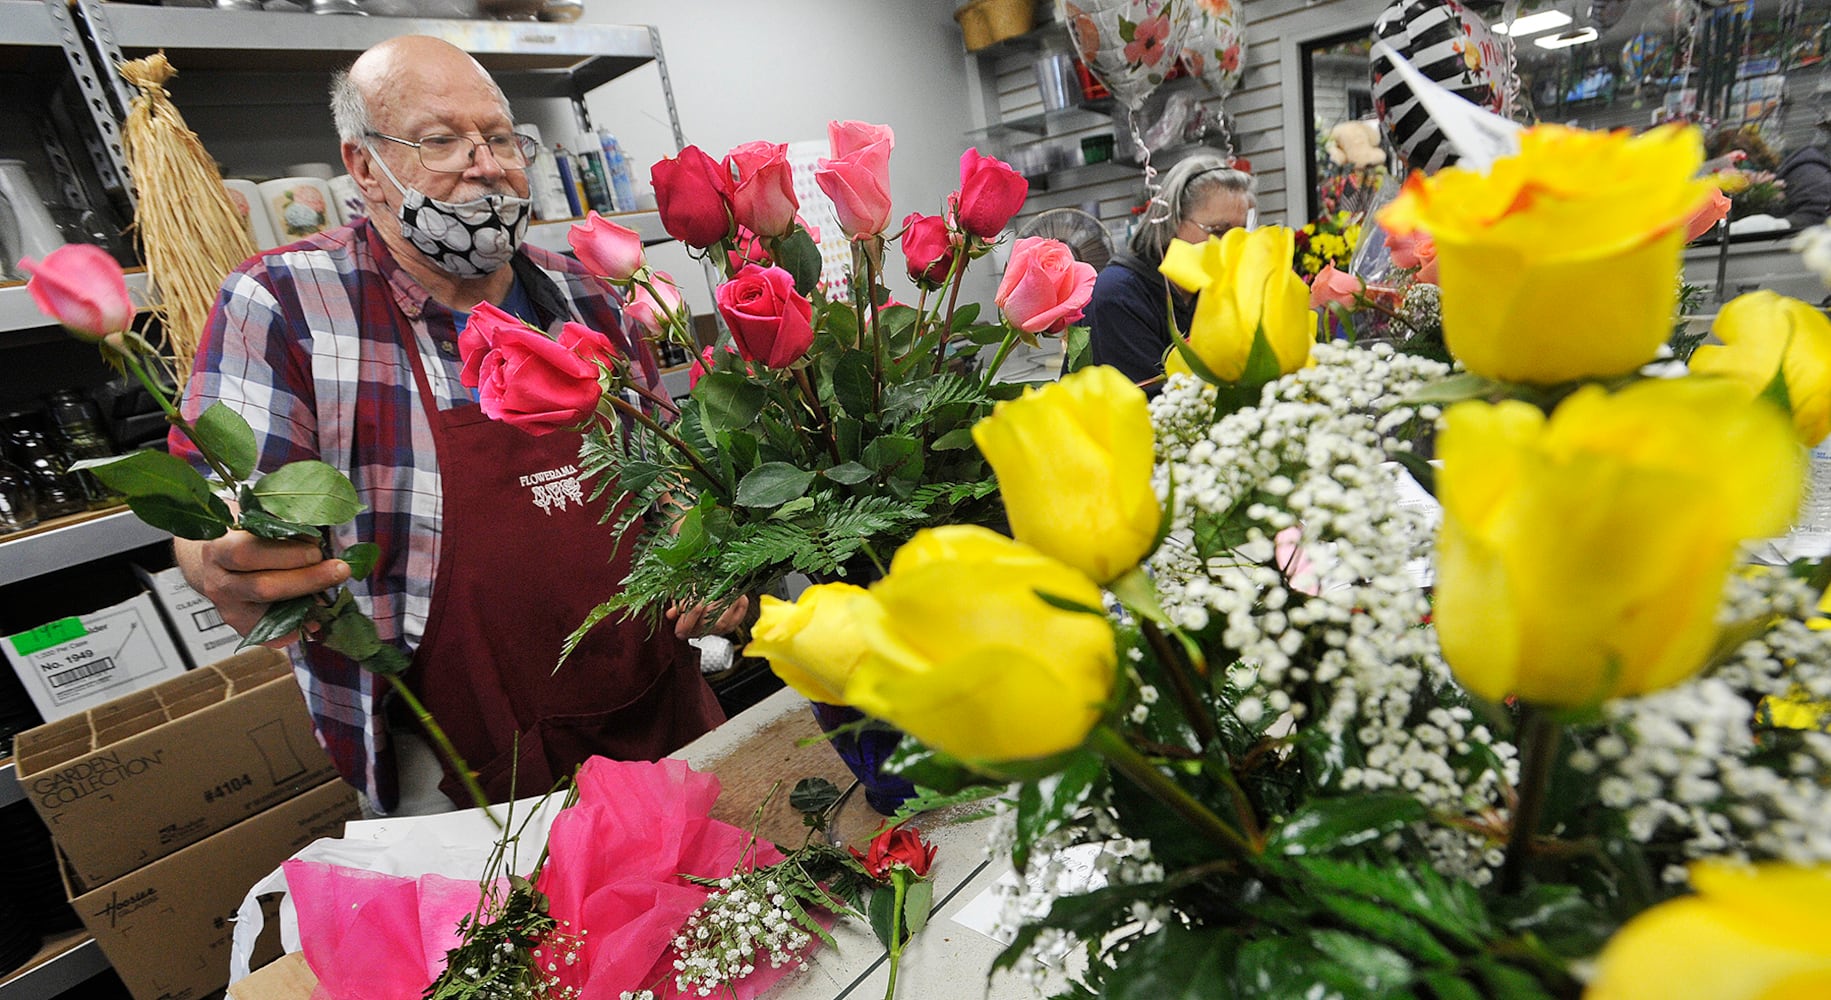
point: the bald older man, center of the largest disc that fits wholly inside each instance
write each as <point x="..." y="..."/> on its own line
<point x="343" y="347"/>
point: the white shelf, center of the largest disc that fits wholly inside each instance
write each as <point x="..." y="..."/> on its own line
<point x="73" y="960"/>
<point x="43" y="550"/>
<point x="19" y="312"/>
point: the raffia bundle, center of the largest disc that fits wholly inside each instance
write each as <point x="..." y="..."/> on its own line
<point x="190" y="235"/>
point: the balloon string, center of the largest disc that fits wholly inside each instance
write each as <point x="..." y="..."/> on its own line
<point x="1156" y="209"/>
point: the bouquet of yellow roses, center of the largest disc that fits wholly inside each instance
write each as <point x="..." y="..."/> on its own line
<point x="1539" y="736"/>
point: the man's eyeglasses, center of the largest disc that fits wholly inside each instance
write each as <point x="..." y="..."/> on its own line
<point x="454" y="154"/>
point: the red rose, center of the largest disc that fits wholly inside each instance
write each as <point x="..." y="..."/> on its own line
<point x="81" y="286"/>
<point x="857" y="178"/>
<point x="606" y="249"/>
<point x="990" y="194"/>
<point x="896" y="846"/>
<point x="769" y="320"/>
<point x="693" y="195"/>
<point x="522" y="377"/>
<point x="703" y="364"/>
<point x="1044" y="288"/>
<point x="928" y="248"/>
<point x="763" y="198"/>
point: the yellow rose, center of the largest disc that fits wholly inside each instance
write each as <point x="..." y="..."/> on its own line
<point x="1764" y="333"/>
<point x="1245" y="279"/>
<point x="1562" y="262"/>
<point x="1073" y="462"/>
<point x="815" y="643"/>
<point x="1584" y="556"/>
<point x="1750" y="933"/>
<point x="969" y="660"/>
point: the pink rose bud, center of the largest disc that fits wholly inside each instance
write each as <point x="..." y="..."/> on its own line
<point x="857" y="178"/>
<point x="1333" y="287"/>
<point x="747" y="249"/>
<point x="693" y="196"/>
<point x="990" y="194"/>
<point x="928" y="248"/>
<point x="764" y="196"/>
<point x="1044" y="288"/>
<point x="590" y="345"/>
<point x="652" y="311"/>
<point x="525" y="379"/>
<point x="81" y="286"/>
<point x="703" y="364"/>
<point x="606" y="249"/>
<point x="769" y="320"/>
<point x="1708" y="215"/>
<point x="1415" y="249"/>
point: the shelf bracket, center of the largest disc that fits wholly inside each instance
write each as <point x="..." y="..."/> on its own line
<point x="667" y="88"/>
<point x="105" y="145"/>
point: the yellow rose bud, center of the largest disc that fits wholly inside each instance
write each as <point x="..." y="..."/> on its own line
<point x="1245" y="279"/>
<point x="815" y="643"/>
<point x="1562" y="262"/>
<point x="1073" y="462"/>
<point x="1764" y="333"/>
<point x="1583" y="556"/>
<point x="1750" y="933"/>
<point x="969" y="660"/>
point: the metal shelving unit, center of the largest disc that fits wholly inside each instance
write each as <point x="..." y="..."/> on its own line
<point x="78" y="540"/>
<point x="19" y="312"/>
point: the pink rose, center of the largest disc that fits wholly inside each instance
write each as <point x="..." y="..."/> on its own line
<point x="769" y="320"/>
<point x="606" y="249"/>
<point x="747" y="249"/>
<point x="1044" y="287"/>
<point x="1707" y="215"/>
<point x="928" y="248"/>
<point x="654" y="311"/>
<point x="1333" y="287"/>
<point x="857" y="178"/>
<point x="764" y="196"/>
<point x="81" y="286"/>
<point x="1415" y="249"/>
<point x="693" y="195"/>
<point x="523" y="378"/>
<point x="589" y="345"/>
<point x="990" y="194"/>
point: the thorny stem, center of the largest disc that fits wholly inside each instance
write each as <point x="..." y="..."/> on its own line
<point x="172" y="416"/>
<point x="1539" y="749"/>
<point x="1146" y="776"/>
<point x="954" y="271"/>
<point x="899" y="878"/>
<point x="686" y="451"/>
<point x="813" y="402"/>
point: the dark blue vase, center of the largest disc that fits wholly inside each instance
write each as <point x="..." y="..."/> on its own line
<point x="864" y="748"/>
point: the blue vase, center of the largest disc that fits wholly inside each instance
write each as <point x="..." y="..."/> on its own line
<point x="864" y="750"/>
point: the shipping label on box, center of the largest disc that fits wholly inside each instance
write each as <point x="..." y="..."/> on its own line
<point x="194" y="621"/>
<point x="132" y="781"/>
<point x="85" y="660"/>
<point x="166" y="928"/>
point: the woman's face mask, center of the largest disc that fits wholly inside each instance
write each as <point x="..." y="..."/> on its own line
<point x="466" y="238"/>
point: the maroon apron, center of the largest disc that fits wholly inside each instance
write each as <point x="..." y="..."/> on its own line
<point x="522" y="559"/>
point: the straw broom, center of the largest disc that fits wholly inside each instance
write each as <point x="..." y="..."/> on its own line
<point x="190" y="236"/>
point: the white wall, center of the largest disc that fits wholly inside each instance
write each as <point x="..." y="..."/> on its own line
<point x="780" y="70"/>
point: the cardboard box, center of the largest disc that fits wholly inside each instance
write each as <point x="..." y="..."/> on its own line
<point x="202" y="634"/>
<point x="137" y="779"/>
<point x="85" y="660"/>
<point x="166" y="928"/>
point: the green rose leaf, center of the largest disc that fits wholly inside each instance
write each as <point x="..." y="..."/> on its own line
<point x="896" y="323"/>
<point x="1454" y="389"/>
<point x="1079" y="348"/>
<point x="1182" y="964"/>
<point x="729" y="401"/>
<point x="918" y="902"/>
<point x="852" y="384"/>
<point x="361" y="557"/>
<point x="221" y="433"/>
<point x="773" y="484"/>
<point x="352" y="634"/>
<point x="848" y="473"/>
<point x="813" y="795"/>
<point x="308" y="492"/>
<point x="958" y="439"/>
<point x="965" y="316"/>
<point x="882" y="909"/>
<point x="148" y="473"/>
<point x="186" y="517"/>
<point x="799" y="255"/>
<point x="282" y="619"/>
<point x="1324" y="825"/>
<point x="387" y="661"/>
<point x="689" y="539"/>
<point x="261" y="524"/>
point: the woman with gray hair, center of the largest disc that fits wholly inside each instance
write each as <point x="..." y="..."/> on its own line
<point x="1129" y="316"/>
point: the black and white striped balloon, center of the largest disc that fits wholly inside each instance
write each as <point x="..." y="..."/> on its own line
<point x="1450" y="45"/>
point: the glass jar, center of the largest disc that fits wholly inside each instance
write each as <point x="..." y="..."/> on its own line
<point x="58" y="492"/>
<point x="78" y="433"/>
<point x="18" y="500"/>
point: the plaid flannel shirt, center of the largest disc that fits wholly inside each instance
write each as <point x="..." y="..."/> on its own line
<point x="307" y="343"/>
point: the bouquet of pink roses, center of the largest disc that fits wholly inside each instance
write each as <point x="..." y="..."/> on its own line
<point x="834" y="422"/>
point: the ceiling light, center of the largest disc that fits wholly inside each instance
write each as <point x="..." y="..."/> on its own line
<point x="1544" y="20"/>
<point x="1565" y="40"/>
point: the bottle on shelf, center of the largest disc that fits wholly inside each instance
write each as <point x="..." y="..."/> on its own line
<point x="597" y="185"/>
<point x="622" y="177"/>
<point x="77" y="432"/>
<point x="544" y="183"/>
<point x="569" y="182"/>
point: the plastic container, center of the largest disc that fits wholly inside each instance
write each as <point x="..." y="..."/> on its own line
<point x="622" y="178"/>
<point x="1057" y="81"/>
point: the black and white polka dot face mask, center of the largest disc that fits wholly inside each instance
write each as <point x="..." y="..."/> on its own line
<point x="466" y="238"/>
